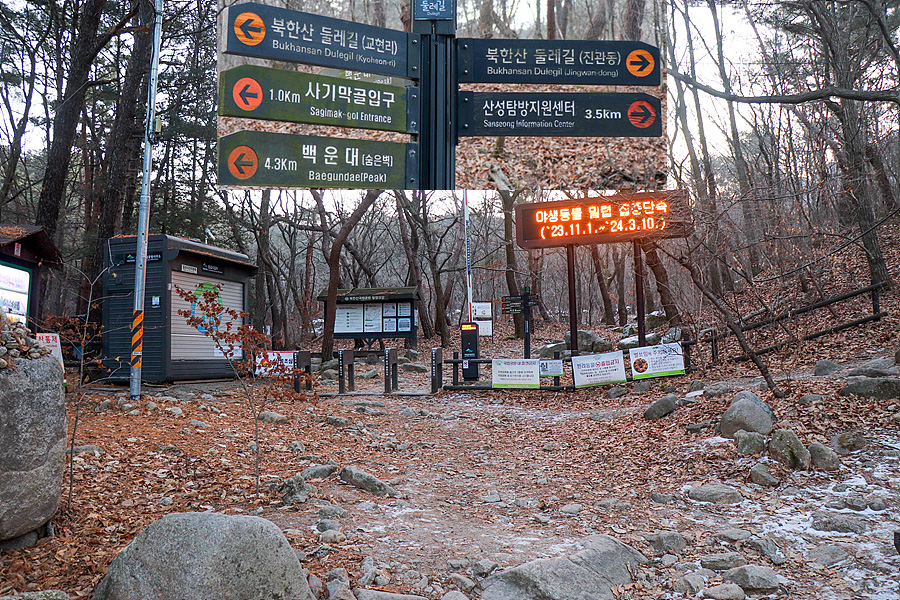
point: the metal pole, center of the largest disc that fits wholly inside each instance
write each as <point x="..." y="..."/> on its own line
<point x="526" y="312"/>
<point x="140" y="263"/>
<point x="573" y="304"/>
<point x="468" y="254"/>
<point x="639" y="293"/>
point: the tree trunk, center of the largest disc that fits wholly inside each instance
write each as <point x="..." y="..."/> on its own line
<point x="662" y="282"/>
<point x="609" y="315"/>
<point x="508" y="200"/>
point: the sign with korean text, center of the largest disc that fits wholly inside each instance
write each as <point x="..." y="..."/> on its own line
<point x="552" y="367"/>
<point x="657" y="361"/>
<point x="619" y="217"/>
<point x="558" y="61"/>
<point x="265" y="31"/>
<point x="271" y="94"/>
<point x="523" y="373"/>
<point x="433" y="10"/>
<point x="598" y="369"/>
<point x="258" y="160"/>
<point x="271" y="363"/>
<point x="51" y="341"/>
<point x="563" y="114"/>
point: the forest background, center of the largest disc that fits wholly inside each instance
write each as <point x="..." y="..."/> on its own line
<point x="787" y="142"/>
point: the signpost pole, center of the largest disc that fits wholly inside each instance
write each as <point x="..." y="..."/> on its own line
<point x="140" y="262"/>
<point x="526" y="312"/>
<point x="468" y="256"/>
<point x="639" y="292"/>
<point x="573" y="304"/>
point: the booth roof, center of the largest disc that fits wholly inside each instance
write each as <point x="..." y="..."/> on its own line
<point x="34" y="238"/>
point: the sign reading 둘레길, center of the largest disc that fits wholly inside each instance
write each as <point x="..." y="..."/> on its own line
<point x="558" y="61"/>
<point x="258" y="159"/>
<point x="563" y="114"/>
<point x="657" y="361"/>
<point x="265" y="31"/>
<point x="433" y="10"/>
<point x="619" y="217"/>
<point x="522" y="373"/>
<point x="598" y="369"/>
<point x="277" y="95"/>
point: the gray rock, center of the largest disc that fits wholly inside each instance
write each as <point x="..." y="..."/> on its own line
<point x="415" y="368"/>
<point x="734" y="535"/>
<point x="44" y="595"/>
<point x="332" y="511"/>
<point x="690" y="584"/>
<point x="749" y="442"/>
<point x="725" y="591"/>
<point x="826" y="367"/>
<point x="666" y="541"/>
<point x="270" y="416"/>
<point x="786" y="448"/>
<point x="570" y="509"/>
<point x="370" y="374"/>
<point x="319" y="471"/>
<point x="332" y="536"/>
<point x="719" y="388"/>
<point x="586" y="341"/>
<point x="673" y="334"/>
<point x="586" y="575"/>
<point x="660" y="498"/>
<point x="32" y="453"/>
<point x="103" y="405"/>
<point x="338" y="421"/>
<point x="826" y="555"/>
<point x="328" y="525"/>
<point x="877" y="367"/>
<point x="718" y="493"/>
<point x="127" y="407"/>
<point x="408" y="412"/>
<point x="365" y="481"/>
<point x="85" y="449"/>
<point x="878" y="388"/>
<point x="297" y="446"/>
<point x="832" y="521"/>
<point x="454" y="595"/>
<point x="849" y="441"/>
<point x="768" y="548"/>
<point x="175" y="411"/>
<point x="807" y="399"/>
<point x="25" y="540"/>
<point x="296" y="491"/>
<point x="198" y="424"/>
<point x="875" y="503"/>
<point x="363" y="594"/>
<point x="662" y="407"/>
<point x="550" y="350"/>
<point x="206" y="555"/>
<point x="484" y="567"/>
<point x="330" y="365"/>
<point x="644" y="385"/>
<point x="753" y="578"/>
<point x="748" y="412"/>
<point x="823" y="457"/>
<point x="722" y="561"/>
<point x="696" y="386"/>
<point x="760" y="475"/>
<point x="151" y="406"/>
<point x="616" y="392"/>
<point x="462" y="582"/>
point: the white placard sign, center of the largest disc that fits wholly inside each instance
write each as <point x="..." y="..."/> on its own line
<point x="348" y="318"/>
<point x="389" y="309"/>
<point x="270" y="363"/>
<point x="372" y="318"/>
<point x="389" y="325"/>
<point x="598" y="369"/>
<point x="481" y="309"/>
<point x="552" y="367"/>
<point x="482" y="313"/>
<point x="404" y="324"/>
<point x="51" y="340"/>
<point x="657" y="361"/>
<point x="404" y="309"/>
<point x="521" y="373"/>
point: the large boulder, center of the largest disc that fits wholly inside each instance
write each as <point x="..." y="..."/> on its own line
<point x="786" y="448"/>
<point x="32" y="444"/>
<point x="880" y="388"/>
<point x="588" y="342"/>
<point x="748" y="412"/>
<point x="588" y="574"/>
<point x="206" y="556"/>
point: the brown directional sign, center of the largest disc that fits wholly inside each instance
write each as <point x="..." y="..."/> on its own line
<point x="272" y="94"/>
<point x="619" y="217"/>
<point x="262" y="160"/>
<point x="558" y="61"/>
<point x="559" y="114"/>
<point x="277" y="33"/>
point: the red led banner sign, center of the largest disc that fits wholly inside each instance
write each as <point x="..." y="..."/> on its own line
<point x="621" y="217"/>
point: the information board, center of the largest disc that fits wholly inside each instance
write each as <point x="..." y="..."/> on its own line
<point x="349" y="318"/>
<point x="277" y="95"/>
<point x="257" y="159"/>
<point x="272" y="363"/>
<point x="619" y="217"/>
<point x="598" y="369"/>
<point x="559" y="114"/>
<point x="552" y="367"/>
<point x="275" y="33"/>
<point x="523" y="373"/>
<point x="657" y="361"/>
<point x="558" y="61"/>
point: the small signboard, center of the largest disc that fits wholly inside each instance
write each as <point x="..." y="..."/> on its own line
<point x="657" y="361"/>
<point x="271" y="363"/>
<point x="619" y="217"/>
<point x="552" y="367"/>
<point x="349" y="318"/>
<point x="559" y="114"/>
<point x="265" y="31"/>
<point x="482" y="312"/>
<point x="278" y="95"/>
<point x="522" y="373"/>
<point x="598" y="369"/>
<point x="257" y="159"/>
<point x="558" y="61"/>
<point x="433" y="10"/>
<point x="51" y="341"/>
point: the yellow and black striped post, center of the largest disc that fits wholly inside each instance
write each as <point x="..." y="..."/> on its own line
<point x="137" y="339"/>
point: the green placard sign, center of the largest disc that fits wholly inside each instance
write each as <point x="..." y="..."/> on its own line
<point x="277" y="95"/>
<point x="262" y="160"/>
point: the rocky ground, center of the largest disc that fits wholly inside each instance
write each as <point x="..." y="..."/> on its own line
<point x="482" y="482"/>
